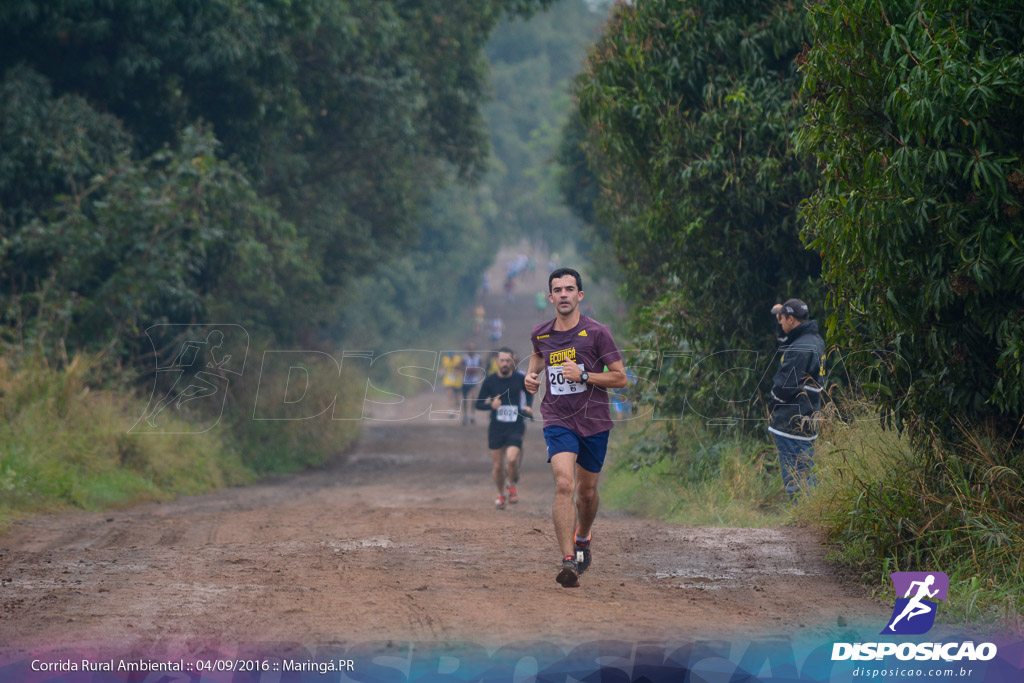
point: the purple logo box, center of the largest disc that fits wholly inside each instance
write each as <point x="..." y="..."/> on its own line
<point x="902" y="580"/>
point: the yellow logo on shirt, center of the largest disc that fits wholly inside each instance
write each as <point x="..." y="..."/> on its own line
<point x="543" y="336"/>
<point x="583" y="333"/>
<point x="559" y="357"/>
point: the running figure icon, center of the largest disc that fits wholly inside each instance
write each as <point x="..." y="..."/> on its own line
<point x="914" y="613"/>
<point x="200" y="384"/>
<point x="207" y="358"/>
<point x="916" y="607"/>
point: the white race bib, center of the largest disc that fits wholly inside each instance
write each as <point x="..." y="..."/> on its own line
<point x="507" y="414"/>
<point x="559" y="385"/>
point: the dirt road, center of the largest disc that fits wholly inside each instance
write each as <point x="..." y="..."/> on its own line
<point x="399" y="539"/>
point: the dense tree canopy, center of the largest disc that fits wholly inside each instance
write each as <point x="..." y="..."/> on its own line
<point x="98" y="244"/>
<point x="318" y="134"/>
<point x="689" y="108"/>
<point x="914" y="117"/>
<point x="533" y="65"/>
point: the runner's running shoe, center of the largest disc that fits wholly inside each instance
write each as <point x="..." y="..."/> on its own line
<point x="500" y="503"/>
<point x="569" y="575"/>
<point x="513" y="497"/>
<point x="583" y="554"/>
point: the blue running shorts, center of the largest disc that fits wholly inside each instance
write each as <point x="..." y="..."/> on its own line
<point x="589" y="450"/>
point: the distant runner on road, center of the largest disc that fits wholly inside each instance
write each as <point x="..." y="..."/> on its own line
<point x="504" y="394"/>
<point x="570" y="350"/>
<point x="471" y="377"/>
<point x="453" y="369"/>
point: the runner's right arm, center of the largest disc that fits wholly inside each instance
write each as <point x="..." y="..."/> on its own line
<point x="532" y="381"/>
<point x="487" y="393"/>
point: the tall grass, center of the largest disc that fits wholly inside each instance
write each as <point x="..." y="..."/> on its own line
<point x="285" y="437"/>
<point x="64" y="443"/>
<point x="67" y="442"/>
<point x="958" y="509"/>
<point x="688" y="472"/>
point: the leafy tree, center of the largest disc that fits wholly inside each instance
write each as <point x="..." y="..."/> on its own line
<point x="274" y="78"/>
<point x="343" y="118"/>
<point x="689" y="108"/>
<point x="533" y="62"/>
<point x="419" y="293"/>
<point x="913" y="114"/>
<point x="423" y="292"/>
<point x="124" y="243"/>
<point x="580" y="187"/>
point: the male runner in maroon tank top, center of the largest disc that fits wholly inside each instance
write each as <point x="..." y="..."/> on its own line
<point x="572" y="350"/>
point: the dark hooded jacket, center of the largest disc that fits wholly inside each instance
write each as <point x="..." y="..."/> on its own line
<point x="795" y="400"/>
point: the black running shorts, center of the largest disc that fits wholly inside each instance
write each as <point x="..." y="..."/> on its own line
<point x="500" y="436"/>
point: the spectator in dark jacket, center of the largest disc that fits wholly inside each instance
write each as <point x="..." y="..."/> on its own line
<point x="795" y="401"/>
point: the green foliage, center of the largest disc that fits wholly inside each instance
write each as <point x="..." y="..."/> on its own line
<point x="122" y="244"/>
<point x="689" y="108"/>
<point x="287" y="167"/>
<point x="418" y="294"/>
<point x="687" y="472"/>
<point x="64" y="445"/>
<point x="580" y="189"/>
<point x="424" y="291"/>
<point x="533" y="63"/>
<point x="281" y="441"/>
<point x="914" y="117"/>
<point x="341" y="117"/>
<point x="888" y="509"/>
<point x="274" y="78"/>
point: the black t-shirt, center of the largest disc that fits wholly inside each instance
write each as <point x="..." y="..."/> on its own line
<point x="514" y="397"/>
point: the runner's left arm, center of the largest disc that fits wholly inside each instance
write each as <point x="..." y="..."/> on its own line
<point x="612" y="378"/>
<point x="614" y="375"/>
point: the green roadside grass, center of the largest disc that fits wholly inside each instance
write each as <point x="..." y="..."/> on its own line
<point x="65" y="442"/>
<point x="887" y="506"/>
<point x="67" y="439"/>
<point x="881" y="505"/>
<point x="713" y="476"/>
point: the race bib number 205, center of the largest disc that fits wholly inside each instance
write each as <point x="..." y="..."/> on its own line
<point x="560" y="385"/>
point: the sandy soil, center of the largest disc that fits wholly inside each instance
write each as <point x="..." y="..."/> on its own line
<point x="399" y="540"/>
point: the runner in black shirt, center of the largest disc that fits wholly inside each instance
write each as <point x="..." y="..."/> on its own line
<point x="504" y="394"/>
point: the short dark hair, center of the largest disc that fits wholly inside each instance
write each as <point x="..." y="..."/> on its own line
<point x="505" y="349"/>
<point x="562" y="272"/>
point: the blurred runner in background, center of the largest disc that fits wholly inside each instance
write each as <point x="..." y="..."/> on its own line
<point x="504" y="394"/>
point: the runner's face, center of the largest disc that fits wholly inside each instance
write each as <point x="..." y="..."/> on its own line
<point x="505" y="364"/>
<point x="564" y="294"/>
